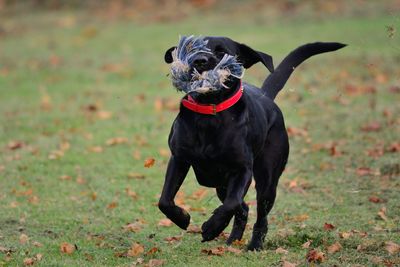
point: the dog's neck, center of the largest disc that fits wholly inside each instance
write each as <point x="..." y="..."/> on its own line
<point x="219" y="96"/>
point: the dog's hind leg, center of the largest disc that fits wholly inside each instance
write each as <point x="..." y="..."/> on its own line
<point x="268" y="167"/>
<point x="176" y="173"/>
<point x="241" y="215"/>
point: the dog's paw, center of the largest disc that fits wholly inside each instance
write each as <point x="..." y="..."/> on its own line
<point x="183" y="220"/>
<point x="215" y="225"/>
<point x="255" y="245"/>
<point x="178" y="215"/>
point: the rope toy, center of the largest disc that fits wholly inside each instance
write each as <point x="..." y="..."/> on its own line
<point x="207" y="81"/>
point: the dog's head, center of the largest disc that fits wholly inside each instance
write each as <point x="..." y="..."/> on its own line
<point x="210" y="64"/>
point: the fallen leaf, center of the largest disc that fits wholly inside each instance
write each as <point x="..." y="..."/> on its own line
<point x="133" y="227"/>
<point x="149" y="162"/>
<point x="152" y="251"/>
<point x="363" y="171"/>
<point x="392" y="247"/>
<point x="135" y="250"/>
<point x="37" y="244"/>
<point x="194" y="229"/>
<point x="345" y="235"/>
<point x="382" y="214"/>
<point x="29" y="261"/>
<point x="172" y="239"/>
<point x="39" y="257"/>
<point x="371" y="127"/>
<point x="375" y="199"/>
<point x="306" y="244"/>
<point x="234" y="250"/>
<point x="104" y="115"/>
<point x="112" y="205"/>
<point x="315" y="256"/>
<point x="288" y="264"/>
<point x="13" y="145"/>
<point x="155" y="263"/>
<point x="65" y="177"/>
<point x="217" y="251"/>
<point x="300" y="218"/>
<point x="334" y="248"/>
<point x="165" y="222"/>
<point x="280" y="250"/>
<point x="95" y="149"/>
<point x="135" y="175"/>
<point x="328" y="227"/>
<point x="67" y="248"/>
<point x="239" y="243"/>
<point x="116" y="141"/>
<point x="131" y="193"/>
<point x="394" y="147"/>
<point x="199" y="194"/>
<point x="23" y="239"/>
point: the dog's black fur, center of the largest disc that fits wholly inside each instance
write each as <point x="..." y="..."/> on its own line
<point x="227" y="149"/>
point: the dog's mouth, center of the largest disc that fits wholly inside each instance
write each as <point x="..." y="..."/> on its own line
<point x="195" y="68"/>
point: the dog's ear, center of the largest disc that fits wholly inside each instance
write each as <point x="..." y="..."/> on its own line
<point x="168" y="55"/>
<point x="249" y="57"/>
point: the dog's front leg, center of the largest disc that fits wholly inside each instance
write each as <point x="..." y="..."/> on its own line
<point x="176" y="173"/>
<point x="232" y="203"/>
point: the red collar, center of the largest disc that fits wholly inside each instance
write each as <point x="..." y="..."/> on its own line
<point x="212" y="109"/>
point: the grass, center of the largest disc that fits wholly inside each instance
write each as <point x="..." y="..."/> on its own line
<point x="71" y="83"/>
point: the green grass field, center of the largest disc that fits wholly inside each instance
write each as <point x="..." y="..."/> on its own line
<point x="85" y="101"/>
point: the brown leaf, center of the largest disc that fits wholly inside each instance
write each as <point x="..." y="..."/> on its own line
<point x="280" y="250"/>
<point x="334" y="248"/>
<point x="382" y="214"/>
<point x="363" y="171"/>
<point x="149" y="162"/>
<point x="152" y="251"/>
<point x="29" y="261"/>
<point x="371" y="127"/>
<point x="375" y="199"/>
<point x="306" y="244"/>
<point x="65" y="177"/>
<point x="135" y="175"/>
<point x="13" y="145"/>
<point x="172" y="239"/>
<point x="155" y="263"/>
<point x="165" y="222"/>
<point x="67" y="248"/>
<point x="217" y="251"/>
<point x="239" y="243"/>
<point x="133" y="227"/>
<point x="37" y="244"/>
<point x="394" y="147"/>
<point x="23" y="239"/>
<point x="328" y="227"/>
<point x="199" y="194"/>
<point x="96" y="149"/>
<point x="104" y="115"/>
<point x="315" y="256"/>
<point x="131" y="193"/>
<point x="194" y="229"/>
<point x="300" y="218"/>
<point x="234" y="250"/>
<point x="288" y="264"/>
<point x="135" y="250"/>
<point x="112" y="205"/>
<point x="345" y="235"/>
<point x="39" y="257"/>
<point x="293" y="131"/>
<point x="392" y="247"/>
<point x="116" y="141"/>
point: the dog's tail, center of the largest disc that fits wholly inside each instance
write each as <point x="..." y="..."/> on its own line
<point x="276" y="80"/>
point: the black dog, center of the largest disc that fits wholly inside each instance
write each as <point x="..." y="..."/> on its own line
<point x="226" y="149"/>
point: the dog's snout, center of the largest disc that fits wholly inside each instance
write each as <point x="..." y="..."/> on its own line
<point x="200" y="61"/>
